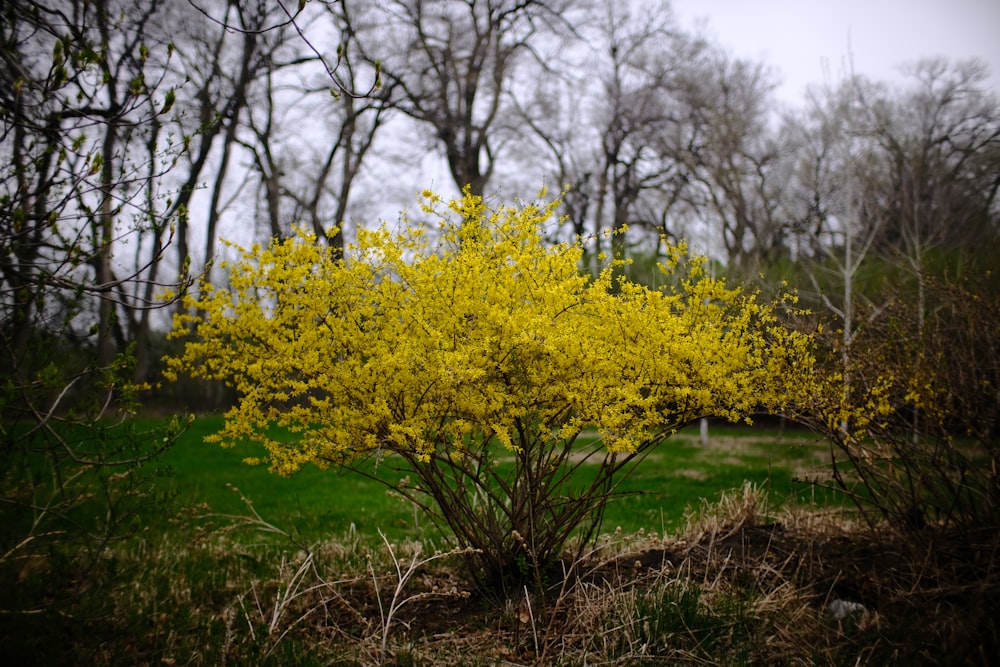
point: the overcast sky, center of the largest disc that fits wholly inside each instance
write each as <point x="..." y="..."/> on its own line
<point x="804" y="38"/>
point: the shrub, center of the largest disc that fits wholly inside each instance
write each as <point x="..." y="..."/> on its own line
<point x="76" y="474"/>
<point x="927" y="375"/>
<point x="480" y="359"/>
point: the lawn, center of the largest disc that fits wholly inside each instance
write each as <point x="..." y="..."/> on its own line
<point x="316" y="504"/>
<point x="747" y="581"/>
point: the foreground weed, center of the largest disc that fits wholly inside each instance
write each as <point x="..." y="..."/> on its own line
<point x="398" y="598"/>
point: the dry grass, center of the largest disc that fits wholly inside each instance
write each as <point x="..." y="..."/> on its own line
<point x="741" y="584"/>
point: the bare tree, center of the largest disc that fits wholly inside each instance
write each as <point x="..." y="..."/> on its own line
<point x="302" y="179"/>
<point x="896" y="189"/>
<point x="733" y="158"/>
<point x="223" y="50"/>
<point x="454" y="68"/>
<point x="82" y="103"/>
<point x="940" y="148"/>
<point x="899" y="176"/>
<point x="560" y="142"/>
<point x="85" y="104"/>
<point x="680" y="139"/>
<point x="612" y="128"/>
<point x="636" y="85"/>
<point x="940" y="142"/>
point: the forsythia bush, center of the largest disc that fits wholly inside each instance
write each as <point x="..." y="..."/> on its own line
<point x="478" y="355"/>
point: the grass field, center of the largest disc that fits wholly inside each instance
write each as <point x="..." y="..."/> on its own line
<point x="316" y="504"/>
<point x="722" y="558"/>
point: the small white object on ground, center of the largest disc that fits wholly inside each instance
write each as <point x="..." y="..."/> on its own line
<point x="841" y="609"/>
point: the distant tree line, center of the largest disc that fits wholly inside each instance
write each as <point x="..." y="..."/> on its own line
<point x="135" y="136"/>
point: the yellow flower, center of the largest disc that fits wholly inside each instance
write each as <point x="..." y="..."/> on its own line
<point x="418" y="342"/>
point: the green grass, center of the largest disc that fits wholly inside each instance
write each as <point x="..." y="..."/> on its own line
<point x="187" y="585"/>
<point x="319" y="503"/>
<point x="313" y="503"/>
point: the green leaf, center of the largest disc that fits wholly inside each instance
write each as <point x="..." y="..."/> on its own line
<point x="168" y="101"/>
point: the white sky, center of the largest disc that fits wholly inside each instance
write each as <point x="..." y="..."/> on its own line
<point x="804" y="39"/>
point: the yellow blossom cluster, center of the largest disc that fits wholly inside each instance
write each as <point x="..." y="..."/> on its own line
<point x="472" y="331"/>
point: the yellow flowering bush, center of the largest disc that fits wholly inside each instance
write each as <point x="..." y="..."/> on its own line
<point x="478" y="356"/>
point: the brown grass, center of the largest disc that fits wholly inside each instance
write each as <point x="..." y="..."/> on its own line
<point x="740" y="584"/>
